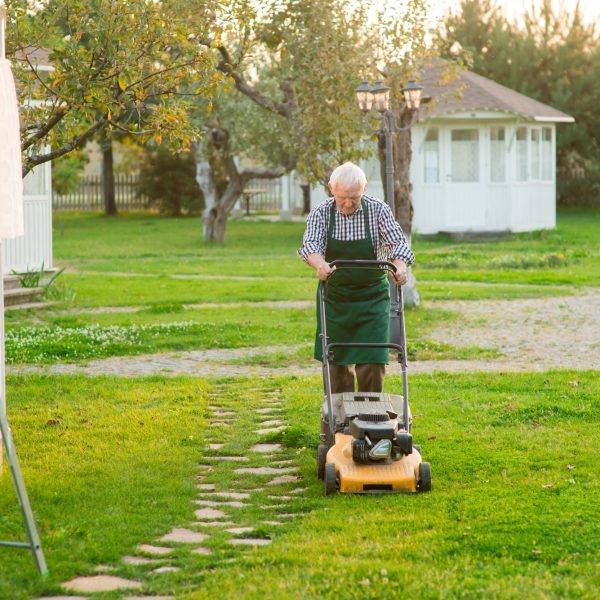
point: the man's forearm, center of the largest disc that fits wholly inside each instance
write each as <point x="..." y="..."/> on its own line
<point x="316" y="260"/>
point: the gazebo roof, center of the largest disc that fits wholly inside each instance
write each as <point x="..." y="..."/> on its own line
<point x="469" y="91"/>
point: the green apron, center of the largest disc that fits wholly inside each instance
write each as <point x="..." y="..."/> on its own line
<point x="357" y="304"/>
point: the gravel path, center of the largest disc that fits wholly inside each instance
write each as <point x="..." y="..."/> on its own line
<point x="532" y="335"/>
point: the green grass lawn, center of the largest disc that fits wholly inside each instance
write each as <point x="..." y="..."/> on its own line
<point x="110" y="463"/>
<point x="159" y="265"/>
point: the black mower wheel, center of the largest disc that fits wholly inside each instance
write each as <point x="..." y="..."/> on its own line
<point x="321" y="460"/>
<point x="330" y="479"/>
<point x="424" y="483"/>
<point x="417" y="447"/>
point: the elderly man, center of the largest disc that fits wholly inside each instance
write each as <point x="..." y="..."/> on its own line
<point x="353" y="226"/>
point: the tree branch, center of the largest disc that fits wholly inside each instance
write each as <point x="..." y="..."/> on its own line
<point x="33" y="161"/>
<point x="42" y="131"/>
<point x="226" y="67"/>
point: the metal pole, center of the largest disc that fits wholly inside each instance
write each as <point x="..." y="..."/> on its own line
<point x="388" y="126"/>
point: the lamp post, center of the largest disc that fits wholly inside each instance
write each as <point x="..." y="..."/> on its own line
<point x="377" y="97"/>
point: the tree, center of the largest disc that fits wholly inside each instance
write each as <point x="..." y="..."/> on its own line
<point x="134" y="66"/>
<point x="550" y="54"/>
<point x="299" y="62"/>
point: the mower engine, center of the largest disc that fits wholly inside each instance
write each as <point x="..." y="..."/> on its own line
<point x="378" y="438"/>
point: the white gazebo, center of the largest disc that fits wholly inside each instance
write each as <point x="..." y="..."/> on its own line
<point x="484" y="158"/>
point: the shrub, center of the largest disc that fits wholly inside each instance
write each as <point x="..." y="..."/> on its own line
<point x="169" y="181"/>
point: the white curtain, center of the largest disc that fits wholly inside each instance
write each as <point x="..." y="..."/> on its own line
<point x="11" y="180"/>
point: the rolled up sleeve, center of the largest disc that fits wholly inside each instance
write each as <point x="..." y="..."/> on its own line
<point x="393" y="242"/>
<point x="315" y="236"/>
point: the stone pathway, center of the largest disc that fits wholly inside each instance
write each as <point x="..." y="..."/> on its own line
<point x="237" y="507"/>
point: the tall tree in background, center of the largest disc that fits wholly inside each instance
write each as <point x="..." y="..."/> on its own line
<point x="550" y="54"/>
<point x="117" y="64"/>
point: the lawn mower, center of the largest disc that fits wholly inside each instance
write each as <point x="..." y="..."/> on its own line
<point x="366" y="441"/>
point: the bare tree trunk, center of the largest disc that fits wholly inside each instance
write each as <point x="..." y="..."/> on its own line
<point x="215" y="224"/>
<point x="403" y="206"/>
<point x="108" y="178"/>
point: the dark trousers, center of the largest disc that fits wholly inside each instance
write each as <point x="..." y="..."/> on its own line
<point x="369" y="376"/>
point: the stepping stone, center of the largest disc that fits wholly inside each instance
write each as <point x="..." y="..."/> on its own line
<point x="140" y="560"/>
<point x="232" y="503"/>
<point x="283" y="462"/>
<point x="210" y="513"/>
<point x="280" y="498"/>
<point x="265" y="470"/>
<point x="100" y="583"/>
<point x="215" y="446"/>
<point x="202" y="550"/>
<point x="271" y="423"/>
<point x="220" y="423"/>
<point x="208" y="487"/>
<point x="250" y="541"/>
<point x="156" y="550"/>
<point x="223" y="413"/>
<point x="166" y="569"/>
<point x="230" y="458"/>
<point x="148" y="597"/>
<point x="184" y="536"/>
<point x="284" y="479"/>
<point x="62" y="598"/>
<point x="265" y="448"/>
<point x="233" y="495"/>
<point x="298" y="491"/>
<point x="214" y="523"/>
<point x="287" y="515"/>
<point x="266" y="410"/>
<point x="268" y="430"/>
<point x="239" y="530"/>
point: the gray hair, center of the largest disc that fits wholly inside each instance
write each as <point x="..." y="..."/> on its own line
<point x="349" y="175"/>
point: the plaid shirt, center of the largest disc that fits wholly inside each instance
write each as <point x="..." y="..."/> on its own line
<point x="389" y="242"/>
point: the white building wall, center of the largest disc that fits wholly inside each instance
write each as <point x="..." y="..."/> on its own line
<point x="34" y="249"/>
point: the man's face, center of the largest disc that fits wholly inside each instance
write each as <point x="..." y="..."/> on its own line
<point x="347" y="199"/>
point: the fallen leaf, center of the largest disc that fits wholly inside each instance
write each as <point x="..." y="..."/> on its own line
<point x="547" y="486"/>
<point x="574" y="383"/>
<point x="570" y="467"/>
<point x="536" y="552"/>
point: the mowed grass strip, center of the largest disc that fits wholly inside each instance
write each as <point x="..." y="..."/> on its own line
<point x="567" y="255"/>
<point x="515" y="474"/>
<point x="511" y="513"/>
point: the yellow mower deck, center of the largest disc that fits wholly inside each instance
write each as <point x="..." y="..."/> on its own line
<point x="391" y="477"/>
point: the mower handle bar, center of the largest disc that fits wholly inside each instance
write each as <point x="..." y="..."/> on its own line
<point x="364" y="264"/>
<point x="391" y="346"/>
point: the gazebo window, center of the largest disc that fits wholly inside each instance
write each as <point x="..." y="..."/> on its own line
<point x="497" y="154"/>
<point x="432" y="156"/>
<point x="535" y="154"/>
<point x="522" y="154"/>
<point x="547" y="153"/>
<point x="465" y="155"/>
